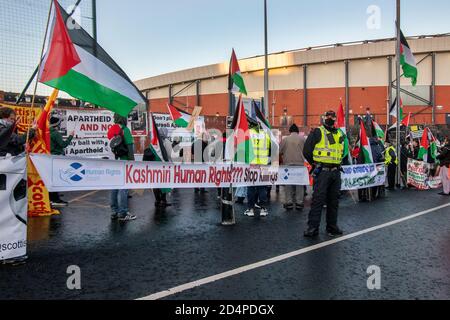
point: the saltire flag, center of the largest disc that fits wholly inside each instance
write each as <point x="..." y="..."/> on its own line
<point x="179" y="117"/>
<point x="377" y="131"/>
<point x="265" y="125"/>
<point x="41" y="143"/>
<point x="340" y="125"/>
<point x="76" y="64"/>
<point x="235" y="79"/>
<point x="239" y="146"/>
<point x="407" y="60"/>
<point x="364" y="144"/>
<point x="428" y="147"/>
<point x="156" y="142"/>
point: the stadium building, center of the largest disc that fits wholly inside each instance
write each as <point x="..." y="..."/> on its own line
<point x="305" y="83"/>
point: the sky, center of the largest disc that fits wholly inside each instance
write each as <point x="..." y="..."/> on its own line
<point x="152" y="37"/>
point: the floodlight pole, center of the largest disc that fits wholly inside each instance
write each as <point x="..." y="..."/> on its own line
<point x="398" y="91"/>
<point x="266" y="64"/>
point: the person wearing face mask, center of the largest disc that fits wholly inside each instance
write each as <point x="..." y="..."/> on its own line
<point x="324" y="150"/>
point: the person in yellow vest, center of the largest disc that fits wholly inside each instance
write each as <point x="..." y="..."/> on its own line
<point x="324" y="150"/>
<point x="391" y="162"/>
<point x="261" y="151"/>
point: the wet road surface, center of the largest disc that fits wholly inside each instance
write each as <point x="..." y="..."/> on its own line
<point x="184" y="243"/>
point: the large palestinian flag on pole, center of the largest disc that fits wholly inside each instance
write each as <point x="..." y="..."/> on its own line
<point x="179" y="117"/>
<point x="78" y="65"/>
<point x="364" y="144"/>
<point x="235" y="80"/>
<point x="407" y="60"/>
<point x="239" y="146"/>
<point x="377" y="131"/>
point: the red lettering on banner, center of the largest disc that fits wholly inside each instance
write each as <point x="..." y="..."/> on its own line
<point x="128" y="176"/>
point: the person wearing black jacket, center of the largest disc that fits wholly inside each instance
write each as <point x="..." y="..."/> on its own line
<point x="324" y="151"/>
<point x="14" y="143"/>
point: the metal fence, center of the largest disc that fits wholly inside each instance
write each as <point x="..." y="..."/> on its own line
<point x="22" y="30"/>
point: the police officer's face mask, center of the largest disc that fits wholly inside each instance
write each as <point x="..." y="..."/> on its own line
<point x="329" y="122"/>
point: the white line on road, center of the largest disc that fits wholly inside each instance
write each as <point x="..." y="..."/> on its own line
<point x="263" y="263"/>
<point x="83" y="196"/>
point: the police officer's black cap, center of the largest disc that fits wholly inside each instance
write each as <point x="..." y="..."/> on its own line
<point x="330" y="113"/>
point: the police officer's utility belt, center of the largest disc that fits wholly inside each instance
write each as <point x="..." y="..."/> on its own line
<point x="326" y="167"/>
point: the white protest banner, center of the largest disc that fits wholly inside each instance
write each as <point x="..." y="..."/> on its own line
<point x="363" y="176"/>
<point x="75" y="174"/>
<point x="13" y="213"/>
<point x="85" y="123"/>
<point x="419" y="176"/>
<point x="90" y="148"/>
<point x="168" y="128"/>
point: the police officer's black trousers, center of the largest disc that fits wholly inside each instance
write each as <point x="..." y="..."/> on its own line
<point x="327" y="186"/>
<point x="391" y="171"/>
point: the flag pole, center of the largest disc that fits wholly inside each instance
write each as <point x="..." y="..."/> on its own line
<point x="227" y="194"/>
<point x="39" y="66"/>
<point x="398" y="89"/>
<point x="266" y="64"/>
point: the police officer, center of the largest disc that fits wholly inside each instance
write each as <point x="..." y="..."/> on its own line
<point x="261" y="150"/>
<point x="324" y="151"/>
<point x="391" y="162"/>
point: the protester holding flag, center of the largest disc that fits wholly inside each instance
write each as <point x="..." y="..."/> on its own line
<point x="14" y="143"/>
<point x="291" y="151"/>
<point x="324" y="151"/>
<point x="444" y="161"/>
<point x="57" y="146"/>
<point x="121" y="135"/>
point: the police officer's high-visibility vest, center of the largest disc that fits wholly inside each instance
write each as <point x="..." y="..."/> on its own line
<point x="329" y="152"/>
<point x="261" y="147"/>
<point x="387" y="156"/>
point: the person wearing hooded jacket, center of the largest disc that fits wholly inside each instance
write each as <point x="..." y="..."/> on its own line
<point x="324" y="150"/>
<point x="12" y="142"/>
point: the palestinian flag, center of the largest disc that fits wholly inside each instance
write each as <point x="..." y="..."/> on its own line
<point x="393" y="109"/>
<point x="239" y="145"/>
<point x="377" y="131"/>
<point x="407" y="60"/>
<point x="41" y="143"/>
<point x="405" y="122"/>
<point x="340" y="125"/>
<point x="235" y="80"/>
<point x="364" y="144"/>
<point x="428" y="147"/>
<point x="156" y="143"/>
<point x="76" y="64"/>
<point x="179" y="117"/>
<point x="265" y="125"/>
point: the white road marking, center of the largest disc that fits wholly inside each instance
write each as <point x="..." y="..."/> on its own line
<point x="230" y="273"/>
<point x="83" y="196"/>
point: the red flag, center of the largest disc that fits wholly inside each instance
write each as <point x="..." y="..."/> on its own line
<point x="42" y="141"/>
<point x="340" y="123"/>
<point x="406" y="120"/>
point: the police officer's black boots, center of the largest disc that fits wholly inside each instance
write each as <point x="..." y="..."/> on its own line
<point x="334" y="231"/>
<point x="311" y="232"/>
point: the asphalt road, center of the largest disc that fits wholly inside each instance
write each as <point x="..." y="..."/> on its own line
<point x="185" y="243"/>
